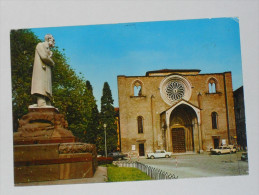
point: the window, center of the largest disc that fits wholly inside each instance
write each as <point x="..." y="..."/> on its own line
<point x="137" y="88"/>
<point x="137" y="91"/>
<point x="212" y="86"/>
<point x="140" y="124"/>
<point x="214" y="119"/>
<point x="175" y="90"/>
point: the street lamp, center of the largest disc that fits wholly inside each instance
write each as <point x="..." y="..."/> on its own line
<point x="105" y="125"/>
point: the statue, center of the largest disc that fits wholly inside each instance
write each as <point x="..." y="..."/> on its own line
<point x="43" y="133"/>
<point x="41" y="76"/>
<point x="43" y="121"/>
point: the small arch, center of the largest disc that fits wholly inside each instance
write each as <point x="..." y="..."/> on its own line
<point x="140" y="124"/>
<point x="137" y="88"/>
<point x="214" y="120"/>
<point x="212" y="85"/>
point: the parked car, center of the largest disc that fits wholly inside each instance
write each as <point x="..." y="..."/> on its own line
<point x="221" y="150"/>
<point x="233" y="148"/>
<point x="117" y="155"/>
<point x="244" y="156"/>
<point x="159" y="154"/>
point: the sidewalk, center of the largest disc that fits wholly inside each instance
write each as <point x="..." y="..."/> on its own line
<point x="100" y="176"/>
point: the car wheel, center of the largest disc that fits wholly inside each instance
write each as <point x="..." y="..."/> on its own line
<point x="219" y="152"/>
<point x="152" y="157"/>
<point x="167" y="156"/>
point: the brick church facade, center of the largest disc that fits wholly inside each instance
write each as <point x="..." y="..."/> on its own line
<point x="176" y="110"/>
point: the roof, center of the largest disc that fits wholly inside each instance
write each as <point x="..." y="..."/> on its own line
<point x="172" y="71"/>
<point x="239" y="90"/>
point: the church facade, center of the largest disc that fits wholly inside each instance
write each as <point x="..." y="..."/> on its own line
<point x="180" y="111"/>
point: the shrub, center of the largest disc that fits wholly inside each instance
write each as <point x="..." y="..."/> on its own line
<point x="103" y="160"/>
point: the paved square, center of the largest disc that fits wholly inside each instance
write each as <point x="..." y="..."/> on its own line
<point x="200" y="165"/>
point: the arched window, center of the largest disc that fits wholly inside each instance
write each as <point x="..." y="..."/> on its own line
<point x="140" y="124"/>
<point x="212" y="86"/>
<point x="214" y="120"/>
<point x="137" y="89"/>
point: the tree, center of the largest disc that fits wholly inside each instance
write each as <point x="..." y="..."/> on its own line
<point x="107" y="116"/>
<point x="70" y="93"/>
<point x="92" y="129"/>
<point x="23" y="43"/>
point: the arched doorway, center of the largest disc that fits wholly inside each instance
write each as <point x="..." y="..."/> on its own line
<point x="182" y="121"/>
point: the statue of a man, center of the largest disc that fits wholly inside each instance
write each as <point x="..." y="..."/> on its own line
<point x="41" y="76"/>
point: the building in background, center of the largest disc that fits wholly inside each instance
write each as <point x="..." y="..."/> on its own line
<point x="176" y="110"/>
<point x="240" y="117"/>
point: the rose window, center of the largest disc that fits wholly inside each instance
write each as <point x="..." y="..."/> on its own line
<point x="174" y="90"/>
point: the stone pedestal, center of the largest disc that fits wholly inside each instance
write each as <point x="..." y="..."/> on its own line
<point x="48" y="162"/>
<point x="45" y="150"/>
<point x="43" y="125"/>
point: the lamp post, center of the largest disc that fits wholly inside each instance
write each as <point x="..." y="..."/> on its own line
<point x="105" y="125"/>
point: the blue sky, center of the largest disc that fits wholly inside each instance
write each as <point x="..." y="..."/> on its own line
<point x="101" y="52"/>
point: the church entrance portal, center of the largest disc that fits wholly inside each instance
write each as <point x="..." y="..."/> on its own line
<point x="182" y="120"/>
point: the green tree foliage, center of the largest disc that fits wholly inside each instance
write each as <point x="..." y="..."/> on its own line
<point x="23" y="43"/>
<point x="107" y="116"/>
<point x="92" y="130"/>
<point x="70" y="93"/>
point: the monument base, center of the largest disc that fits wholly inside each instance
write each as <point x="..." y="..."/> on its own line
<point x="44" y="150"/>
<point x="43" y="125"/>
<point x="48" y="162"/>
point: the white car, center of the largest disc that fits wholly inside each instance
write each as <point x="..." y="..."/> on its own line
<point x="232" y="148"/>
<point x="221" y="150"/>
<point x="159" y="154"/>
